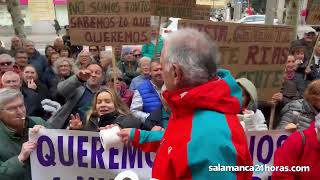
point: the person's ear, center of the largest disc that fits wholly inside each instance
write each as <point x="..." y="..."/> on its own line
<point x="177" y="74"/>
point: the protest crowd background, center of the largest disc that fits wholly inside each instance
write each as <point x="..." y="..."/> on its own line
<point x="170" y="82"/>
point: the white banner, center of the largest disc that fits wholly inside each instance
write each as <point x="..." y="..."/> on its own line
<point x="262" y="145"/>
<point x="78" y="155"/>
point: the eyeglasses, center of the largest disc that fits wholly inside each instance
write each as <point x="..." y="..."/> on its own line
<point x="137" y="55"/>
<point x="119" y="79"/>
<point x="6" y="63"/>
<point x="93" y="49"/>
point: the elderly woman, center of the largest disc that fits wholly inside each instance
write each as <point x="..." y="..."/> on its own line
<point x="84" y="59"/>
<point x="299" y="114"/>
<point x="122" y="88"/>
<point x="106" y="60"/>
<point x="63" y="69"/>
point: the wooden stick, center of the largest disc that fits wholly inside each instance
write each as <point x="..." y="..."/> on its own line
<point x="314" y="49"/>
<point x="157" y="39"/>
<point x="272" y="113"/>
<point x="114" y="66"/>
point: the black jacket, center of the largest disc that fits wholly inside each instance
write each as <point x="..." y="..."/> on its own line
<point x="124" y="121"/>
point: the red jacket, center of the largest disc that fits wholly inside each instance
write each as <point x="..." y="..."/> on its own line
<point x="203" y="131"/>
<point x="291" y="154"/>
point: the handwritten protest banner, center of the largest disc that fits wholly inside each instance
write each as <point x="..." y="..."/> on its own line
<point x="256" y="52"/>
<point x="78" y="155"/>
<point x="313" y="9"/>
<point x="109" y="22"/>
<point x="187" y="9"/>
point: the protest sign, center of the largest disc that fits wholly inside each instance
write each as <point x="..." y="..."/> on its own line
<point x="262" y="145"/>
<point x="111" y="22"/>
<point x="79" y="155"/>
<point x="256" y="52"/>
<point x="187" y="9"/>
<point x="41" y="10"/>
<point x="313" y="10"/>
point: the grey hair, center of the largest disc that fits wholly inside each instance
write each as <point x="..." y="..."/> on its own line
<point x="109" y="73"/>
<point x="4" y="57"/>
<point x="91" y="59"/>
<point x="60" y="60"/>
<point x="7" y="95"/>
<point x="106" y="53"/>
<point x="195" y="53"/>
<point x="144" y="58"/>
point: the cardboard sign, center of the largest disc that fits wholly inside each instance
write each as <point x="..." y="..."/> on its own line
<point x="313" y="9"/>
<point x="41" y="10"/>
<point x="256" y="52"/>
<point x="109" y="23"/>
<point x="79" y="155"/>
<point x="187" y="9"/>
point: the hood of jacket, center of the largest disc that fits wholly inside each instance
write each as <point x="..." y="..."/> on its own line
<point x="221" y="94"/>
<point x="252" y="91"/>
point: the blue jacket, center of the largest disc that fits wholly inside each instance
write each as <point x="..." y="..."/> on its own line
<point x="150" y="98"/>
<point x="38" y="61"/>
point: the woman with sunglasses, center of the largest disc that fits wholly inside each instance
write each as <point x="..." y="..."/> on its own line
<point x="122" y="89"/>
<point x="107" y="109"/>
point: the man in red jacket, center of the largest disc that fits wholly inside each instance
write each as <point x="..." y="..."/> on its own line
<point x="203" y="130"/>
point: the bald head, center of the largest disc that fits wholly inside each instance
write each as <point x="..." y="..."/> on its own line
<point x="11" y="79"/>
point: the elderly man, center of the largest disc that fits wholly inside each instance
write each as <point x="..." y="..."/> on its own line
<point x="147" y="96"/>
<point x="21" y="58"/>
<point x="79" y="91"/>
<point x="203" y="130"/>
<point x="16" y="44"/>
<point x="32" y="99"/>
<point x="15" y="148"/>
<point x="144" y="66"/>
<point x="36" y="59"/>
<point x="7" y="63"/>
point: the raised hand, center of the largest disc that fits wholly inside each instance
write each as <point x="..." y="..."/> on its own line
<point x="75" y="122"/>
<point x="32" y="84"/>
<point x="84" y="74"/>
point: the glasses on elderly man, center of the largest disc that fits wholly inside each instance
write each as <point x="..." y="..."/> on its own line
<point x="6" y="63"/>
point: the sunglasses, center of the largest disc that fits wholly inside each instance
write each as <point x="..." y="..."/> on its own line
<point x="119" y="79"/>
<point x="137" y="55"/>
<point x="93" y="49"/>
<point x="6" y="63"/>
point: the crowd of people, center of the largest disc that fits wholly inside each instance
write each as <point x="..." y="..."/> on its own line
<point x="73" y="88"/>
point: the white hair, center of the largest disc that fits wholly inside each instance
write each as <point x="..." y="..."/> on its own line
<point x="106" y="53"/>
<point x="6" y="57"/>
<point x="109" y="73"/>
<point x="195" y="53"/>
<point x="144" y="58"/>
<point x="91" y="59"/>
<point x="60" y="60"/>
<point x="7" y="95"/>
